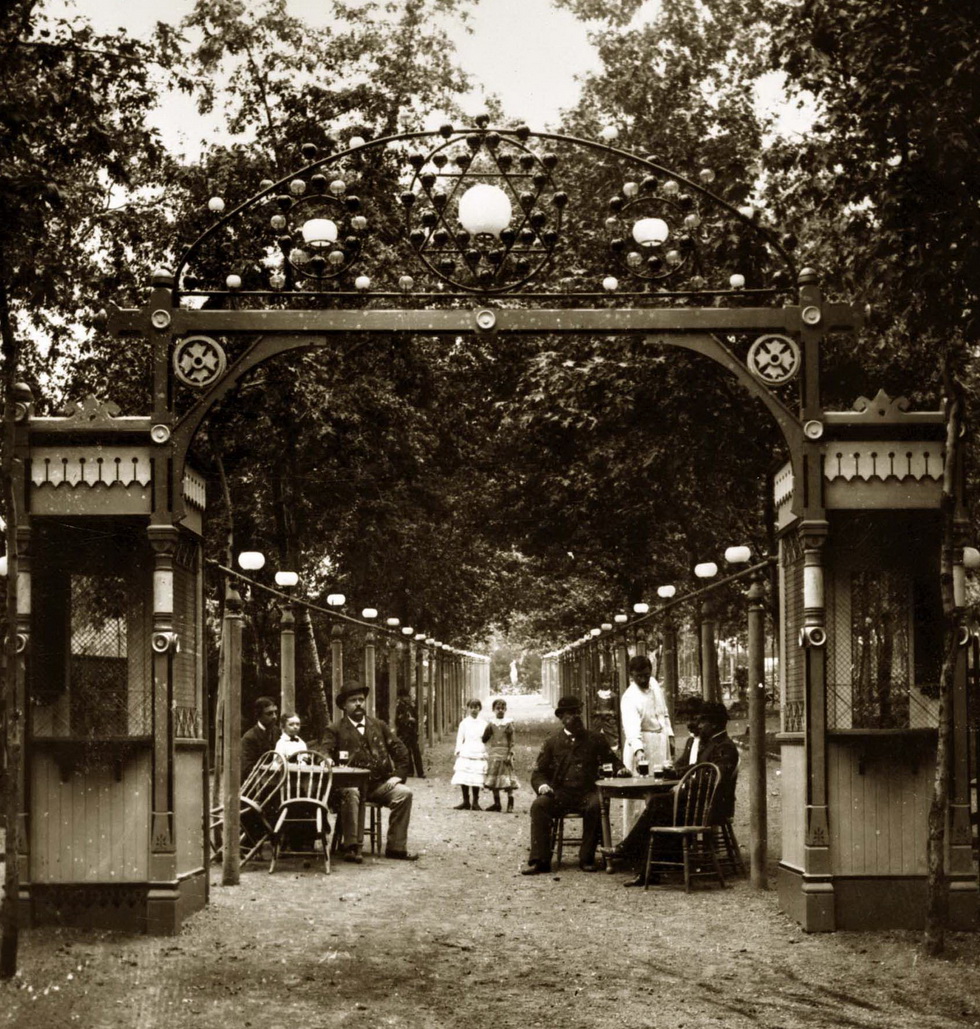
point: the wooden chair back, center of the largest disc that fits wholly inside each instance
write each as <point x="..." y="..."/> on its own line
<point x="307" y="778"/>
<point x="262" y="786"/>
<point x="693" y="795"/>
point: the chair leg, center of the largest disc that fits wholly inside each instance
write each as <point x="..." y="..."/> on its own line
<point x="649" y="864"/>
<point x="732" y="848"/>
<point x="561" y="842"/>
<point x="275" y="854"/>
<point x="687" y="864"/>
<point x="709" y="839"/>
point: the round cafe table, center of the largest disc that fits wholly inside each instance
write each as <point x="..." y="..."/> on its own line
<point x="634" y="788"/>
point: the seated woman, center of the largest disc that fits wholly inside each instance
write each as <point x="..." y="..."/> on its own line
<point x="712" y="744"/>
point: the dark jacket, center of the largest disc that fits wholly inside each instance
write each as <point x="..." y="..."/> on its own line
<point x="406" y="724"/>
<point x="379" y="749"/>
<point x="720" y="751"/>
<point x="255" y="743"/>
<point x="572" y="764"/>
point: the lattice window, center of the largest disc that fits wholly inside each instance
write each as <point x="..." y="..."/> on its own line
<point x="89" y="675"/>
<point x="791" y="655"/>
<point x="883" y="614"/>
<point x="880" y="606"/>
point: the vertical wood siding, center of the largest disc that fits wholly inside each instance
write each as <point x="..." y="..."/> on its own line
<point x="189" y="809"/>
<point x="878" y="819"/>
<point x="793" y="793"/>
<point x="90" y="828"/>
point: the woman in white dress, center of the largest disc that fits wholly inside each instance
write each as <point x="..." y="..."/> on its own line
<point x="470" y="769"/>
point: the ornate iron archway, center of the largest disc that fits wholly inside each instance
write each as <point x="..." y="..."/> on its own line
<point x="459" y="231"/>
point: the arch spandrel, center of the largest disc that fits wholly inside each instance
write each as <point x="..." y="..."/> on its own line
<point x="569" y="236"/>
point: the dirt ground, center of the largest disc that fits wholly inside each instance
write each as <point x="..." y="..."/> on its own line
<point x="460" y="939"/>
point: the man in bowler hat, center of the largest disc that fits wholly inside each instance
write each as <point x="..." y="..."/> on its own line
<point x="564" y="779"/>
<point x="369" y="743"/>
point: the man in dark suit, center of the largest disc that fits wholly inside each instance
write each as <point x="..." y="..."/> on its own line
<point x="263" y="736"/>
<point x="365" y="742"/>
<point x="714" y="746"/>
<point x="564" y="779"/>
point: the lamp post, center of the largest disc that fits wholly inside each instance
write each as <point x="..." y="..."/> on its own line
<point x="336" y="600"/>
<point x="641" y="609"/>
<point x="758" y="816"/>
<point x="710" y="687"/>
<point x="287" y="643"/>
<point x="622" y="654"/>
<point x="370" y="661"/>
<point x="669" y="672"/>
<point x="231" y="692"/>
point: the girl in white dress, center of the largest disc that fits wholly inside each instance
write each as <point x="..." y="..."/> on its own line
<point x="470" y="769"/>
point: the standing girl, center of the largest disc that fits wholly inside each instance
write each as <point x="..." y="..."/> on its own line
<point x="471" y="756"/>
<point x="500" y="767"/>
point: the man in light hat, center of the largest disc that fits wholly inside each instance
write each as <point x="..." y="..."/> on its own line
<point x="564" y="779"/>
<point x="370" y="743"/>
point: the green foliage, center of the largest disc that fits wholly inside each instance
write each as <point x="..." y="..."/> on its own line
<point x="76" y="200"/>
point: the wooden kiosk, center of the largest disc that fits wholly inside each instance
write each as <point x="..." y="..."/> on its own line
<point x="115" y="776"/>
<point x="861" y="652"/>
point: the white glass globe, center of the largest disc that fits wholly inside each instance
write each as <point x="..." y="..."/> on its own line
<point x="484" y="209"/>
<point x="286" y="578"/>
<point x="666" y="592"/>
<point x="737" y="555"/>
<point x="650" y="232"/>
<point x="706" y="569"/>
<point x="251" y="560"/>
<point x="318" y="232"/>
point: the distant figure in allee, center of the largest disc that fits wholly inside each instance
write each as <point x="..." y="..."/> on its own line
<point x="470" y="769"/>
<point x="500" y="756"/>
<point x="262" y="737"/>
<point x="407" y="730"/>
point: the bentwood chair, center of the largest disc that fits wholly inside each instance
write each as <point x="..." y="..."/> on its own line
<point x="259" y="803"/>
<point x="302" y="822"/>
<point x="692" y="828"/>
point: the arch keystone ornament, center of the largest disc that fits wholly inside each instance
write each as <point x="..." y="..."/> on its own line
<point x="499" y="230"/>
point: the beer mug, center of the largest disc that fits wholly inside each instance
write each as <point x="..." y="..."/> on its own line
<point x="342" y="757"/>
<point x="607" y="770"/>
<point x="643" y="766"/>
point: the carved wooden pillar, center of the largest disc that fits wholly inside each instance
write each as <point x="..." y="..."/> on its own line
<point x="17" y="707"/>
<point x="163" y="641"/>
<point x="817" y="884"/>
<point x="231" y="692"/>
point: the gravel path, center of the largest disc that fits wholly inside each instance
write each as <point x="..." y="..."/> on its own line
<point x="460" y="939"/>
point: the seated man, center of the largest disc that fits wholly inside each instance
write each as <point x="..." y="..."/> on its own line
<point x="714" y="745"/>
<point x="262" y="737"/>
<point x="564" y="779"/>
<point x="369" y="743"/>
